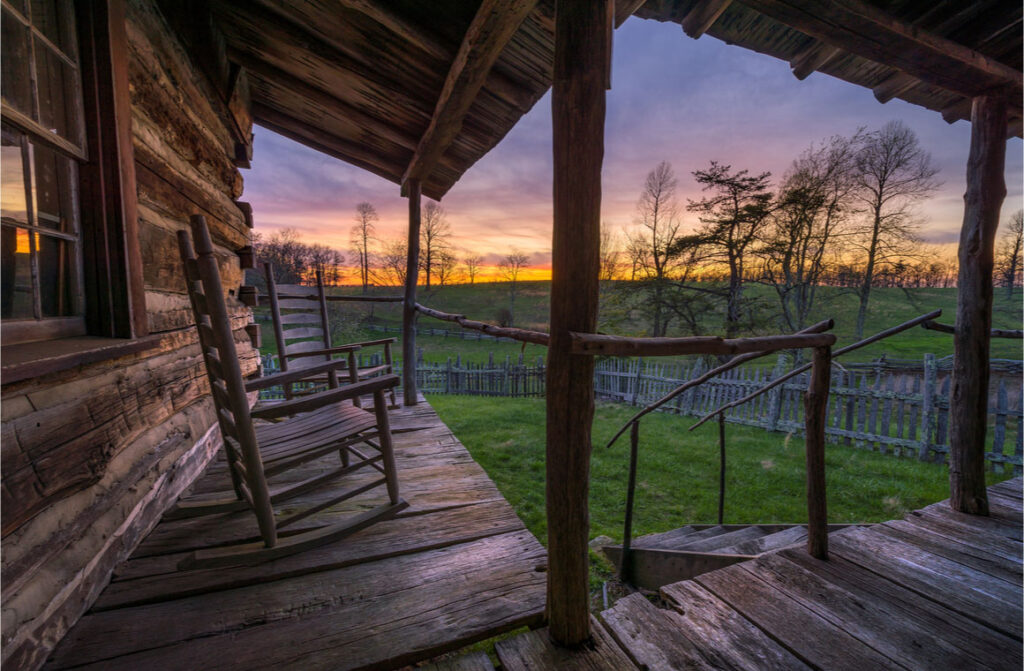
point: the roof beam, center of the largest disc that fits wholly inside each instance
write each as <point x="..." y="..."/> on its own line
<point x="703" y="16"/>
<point x="493" y="26"/>
<point x="811" y="58"/>
<point x="894" y="85"/>
<point x="866" y="31"/>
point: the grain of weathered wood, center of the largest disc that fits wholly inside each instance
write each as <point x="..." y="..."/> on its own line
<point x="986" y="189"/>
<point x="723" y="633"/>
<point x="980" y="560"/>
<point x="535" y="650"/>
<point x="869" y="620"/>
<point x="988" y="647"/>
<point x="386" y="612"/>
<point x="812" y="638"/>
<point x="582" y="67"/>
<point x="650" y="636"/>
<point x="473" y="661"/>
<point x="972" y="594"/>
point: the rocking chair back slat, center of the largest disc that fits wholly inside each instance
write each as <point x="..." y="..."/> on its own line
<point x="208" y="301"/>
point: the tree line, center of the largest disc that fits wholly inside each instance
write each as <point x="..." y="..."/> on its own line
<point x="843" y="215"/>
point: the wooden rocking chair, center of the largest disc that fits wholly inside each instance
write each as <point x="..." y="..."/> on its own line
<point x="313" y="426"/>
<point x="303" y="334"/>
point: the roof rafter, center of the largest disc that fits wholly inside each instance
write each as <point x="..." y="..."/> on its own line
<point x="703" y="16"/>
<point x="866" y="31"/>
<point x="493" y="26"/>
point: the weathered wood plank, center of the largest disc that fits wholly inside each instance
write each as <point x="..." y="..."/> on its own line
<point x="869" y="620"/>
<point x="971" y="593"/>
<point x="474" y="661"/>
<point x="716" y="627"/>
<point x="990" y="648"/>
<point x="535" y="650"/>
<point x="388" y="612"/>
<point x="151" y="579"/>
<point x="814" y="639"/>
<point x="980" y="560"/>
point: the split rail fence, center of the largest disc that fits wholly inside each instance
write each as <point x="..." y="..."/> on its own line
<point x="892" y="409"/>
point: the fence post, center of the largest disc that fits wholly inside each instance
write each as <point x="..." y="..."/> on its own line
<point x="689" y="394"/>
<point x="927" y="407"/>
<point x="448" y="377"/>
<point x="775" y="395"/>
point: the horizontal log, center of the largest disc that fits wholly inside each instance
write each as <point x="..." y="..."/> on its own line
<point x="522" y="335"/>
<point x="932" y="325"/>
<point x="592" y="343"/>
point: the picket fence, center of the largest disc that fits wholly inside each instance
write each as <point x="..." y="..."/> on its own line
<point x="899" y="411"/>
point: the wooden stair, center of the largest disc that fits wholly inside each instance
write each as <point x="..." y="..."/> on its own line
<point x="684" y="553"/>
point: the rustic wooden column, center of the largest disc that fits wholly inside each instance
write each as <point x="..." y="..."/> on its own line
<point x="986" y="189"/>
<point x="815" y="410"/>
<point x="409" y="305"/>
<point x="582" y="62"/>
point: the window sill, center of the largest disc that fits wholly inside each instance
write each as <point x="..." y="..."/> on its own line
<point x="33" y="359"/>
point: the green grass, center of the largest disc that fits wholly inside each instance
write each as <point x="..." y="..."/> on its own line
<point x="889" y="306"/>
<point x="678" y="471"/>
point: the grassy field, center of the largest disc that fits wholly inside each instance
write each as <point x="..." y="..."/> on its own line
<point x="678" y="471"/>
<point x="482" y="301"/>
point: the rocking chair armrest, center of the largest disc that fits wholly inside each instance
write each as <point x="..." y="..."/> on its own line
<point x="340" y="349"/>
<point x="314" y="401"/>
<point x="372" y="343"/>
<point x="287" y="376"/>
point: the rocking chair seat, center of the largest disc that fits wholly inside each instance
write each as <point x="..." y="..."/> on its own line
<point x="312" y="434"/>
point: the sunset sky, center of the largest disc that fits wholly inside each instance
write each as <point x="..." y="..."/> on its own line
<point x="672" y="99"/>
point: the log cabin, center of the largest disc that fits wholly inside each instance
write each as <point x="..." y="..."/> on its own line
<point x="121" y="118"/>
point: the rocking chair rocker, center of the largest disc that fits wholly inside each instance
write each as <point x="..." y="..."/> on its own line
<point x="310" y="427"/>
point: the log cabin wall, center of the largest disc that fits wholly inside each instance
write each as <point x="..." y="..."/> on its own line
<point x="93" y="455"/>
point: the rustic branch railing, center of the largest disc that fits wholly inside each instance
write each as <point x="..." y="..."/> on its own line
<point x="522" y="335"/>
<point x="729" y="365"/>
<point x="995" y="333"/>
<point x="606" y="345"/>
<point x="881" y="335"/>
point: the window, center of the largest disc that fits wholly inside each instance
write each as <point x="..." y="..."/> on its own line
<point x="43" y="147"/>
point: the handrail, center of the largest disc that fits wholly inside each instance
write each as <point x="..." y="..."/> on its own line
<point x="825" y="325"/>
<point x="522" y="335"/>
<point x="597" y="344"/>
<point x="995" y="333"/>
<point x="881" y="335"/>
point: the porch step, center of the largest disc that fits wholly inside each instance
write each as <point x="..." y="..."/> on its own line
<point x="767" y="543"/>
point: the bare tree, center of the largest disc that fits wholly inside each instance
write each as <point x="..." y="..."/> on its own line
<point x="657" y="227"/>
<point x="325" y="260"/>
<point x="362" y="236"/>
<point x="444" y="266"/>
<point x="814" y="202"/>
<point x="435" y="234"/>
<point x="733" y="217"/>
<point x="471" y="264"/>
<point x="391" y="265"/>
<point x="510" y="266"/>
<point x="892" y="172"/>
<point x="286" y="253"/>
<point x="610" y="252"/>
<point x="1008" y="258"/>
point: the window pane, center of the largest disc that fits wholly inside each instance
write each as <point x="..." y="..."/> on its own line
<point x="52" y="189"/>
<point x="50" y="18"/>
<point x="58" y="98"/>
<point x="55" y="276"/>
<point x="14" y="56"/>
<point x="12" y="180"/>
<point x="15" y="274"/>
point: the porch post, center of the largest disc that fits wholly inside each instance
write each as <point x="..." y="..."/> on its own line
<point x="986" y="189"/>
<point x="409" y="305"/>
<point x="582" y="62"/>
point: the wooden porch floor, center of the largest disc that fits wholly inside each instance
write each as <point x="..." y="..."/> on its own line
<point x="457" y="566"/>
<point x="936" y="590"/>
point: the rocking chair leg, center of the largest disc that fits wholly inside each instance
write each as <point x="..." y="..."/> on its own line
<point x="387" y="449"/>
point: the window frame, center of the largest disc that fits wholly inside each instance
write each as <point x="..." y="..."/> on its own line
<point x="110" y="259"/>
